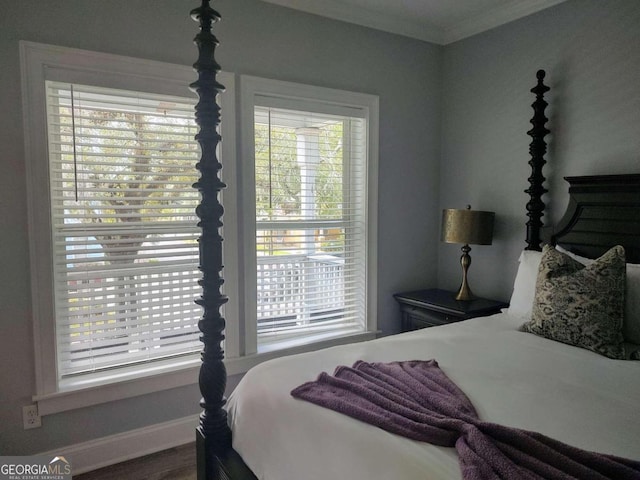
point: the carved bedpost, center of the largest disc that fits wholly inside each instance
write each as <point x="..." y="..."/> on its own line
<point x="213" y="435"/>
<point x="537" y="149"/>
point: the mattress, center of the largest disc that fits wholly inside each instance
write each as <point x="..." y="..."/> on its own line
<point x="511" y="377"/>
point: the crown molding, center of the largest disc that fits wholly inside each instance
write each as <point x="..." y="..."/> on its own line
<point x="494" y="18"/>
<point x="349" y="13"/>
<point x="419" y="29"/>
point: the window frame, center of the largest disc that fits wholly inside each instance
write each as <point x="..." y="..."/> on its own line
<point x="314" y="97"/>
<point x="40" y="62"/>
<point x="95" y="331"/>
<point x="46" y="62"/>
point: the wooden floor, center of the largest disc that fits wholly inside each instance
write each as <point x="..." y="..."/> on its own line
<point x="174" y="464"/>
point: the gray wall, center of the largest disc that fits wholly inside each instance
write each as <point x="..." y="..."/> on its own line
<point x="591" y="52"/>
<point x="257" y="39"/>
<point x="471" y="148"/>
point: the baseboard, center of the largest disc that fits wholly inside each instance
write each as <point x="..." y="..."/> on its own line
<point x="125" y="446"/>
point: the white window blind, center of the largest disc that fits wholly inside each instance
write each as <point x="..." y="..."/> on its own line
<point x="310" y="193"/>
<point x="125" y="250"/>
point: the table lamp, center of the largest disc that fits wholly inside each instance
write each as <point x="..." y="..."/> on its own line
<point x="469" y="227"/>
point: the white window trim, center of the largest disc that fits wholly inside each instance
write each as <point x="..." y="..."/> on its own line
<point x="46" y="62"/>
<point x="40" y="62"/>
<point x="250" y="87"/>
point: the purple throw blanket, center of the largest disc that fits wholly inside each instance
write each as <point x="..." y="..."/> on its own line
<point x="417" y="400"/>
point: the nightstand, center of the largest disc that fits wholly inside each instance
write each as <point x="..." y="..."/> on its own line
<point x="432" y="307"/>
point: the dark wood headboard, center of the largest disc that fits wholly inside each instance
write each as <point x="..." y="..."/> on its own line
<point x="603" y="211"/>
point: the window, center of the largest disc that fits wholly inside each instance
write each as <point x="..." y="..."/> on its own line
<point x="125" y="253"/>
<point x="310" y="252"/>
<point x="111" y="160"/>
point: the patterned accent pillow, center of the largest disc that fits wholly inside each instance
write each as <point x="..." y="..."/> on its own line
<point x="580" y="305"/>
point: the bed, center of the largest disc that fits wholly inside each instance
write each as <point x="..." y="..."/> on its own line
<point x="571" y="394"/>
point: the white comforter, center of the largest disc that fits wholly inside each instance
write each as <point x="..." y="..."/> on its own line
<point x="512" y="378"/>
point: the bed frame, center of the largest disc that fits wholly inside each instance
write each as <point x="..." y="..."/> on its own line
<point x="215" y="457"/>
<point x="603" y="211"/>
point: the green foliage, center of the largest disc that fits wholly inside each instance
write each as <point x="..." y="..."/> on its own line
<point x="129" y="168"/>
<point x="278" y="179"/>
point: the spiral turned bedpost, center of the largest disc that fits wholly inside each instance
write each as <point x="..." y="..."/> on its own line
<point x="537" y="149"/>
<point x="213" y="434"/>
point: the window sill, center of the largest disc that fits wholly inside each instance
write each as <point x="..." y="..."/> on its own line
<point x="81" y="394"/>
<point x="240" y="365"/>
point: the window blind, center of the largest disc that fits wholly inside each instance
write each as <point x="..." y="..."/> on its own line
<point x="124" y="231"/>
<point x="310" y="190"/>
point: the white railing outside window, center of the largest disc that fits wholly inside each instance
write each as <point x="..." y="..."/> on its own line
<point x="300" y="292"/>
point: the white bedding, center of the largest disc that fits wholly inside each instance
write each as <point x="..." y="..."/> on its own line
<point x="512" y="378"/>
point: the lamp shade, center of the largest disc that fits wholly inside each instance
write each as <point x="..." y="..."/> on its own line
<point x="471" y="227"/>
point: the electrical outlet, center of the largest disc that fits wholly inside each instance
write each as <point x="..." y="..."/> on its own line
<point x="31" y="417"/>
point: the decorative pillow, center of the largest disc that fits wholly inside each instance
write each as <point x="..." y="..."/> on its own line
<point x="631" y="322"/>
<point x="524" y="286"/>
<point x="580" y="305"/>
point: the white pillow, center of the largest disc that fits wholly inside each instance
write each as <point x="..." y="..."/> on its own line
<point x="583" y="260"/>
<point x="524" y="287"/>
<point x="631" y="324"/>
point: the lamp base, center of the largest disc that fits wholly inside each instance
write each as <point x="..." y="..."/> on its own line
<point x="464" y="294"/>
